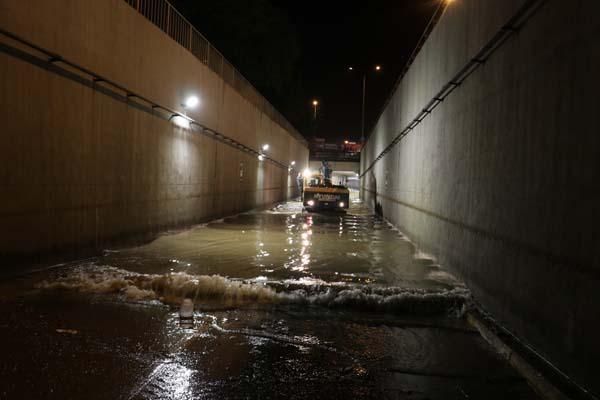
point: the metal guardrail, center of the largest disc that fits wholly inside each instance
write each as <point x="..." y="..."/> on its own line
<point x="166" y="17"/>
<point x="54" y="61"/>
<point x="506" y="31"/>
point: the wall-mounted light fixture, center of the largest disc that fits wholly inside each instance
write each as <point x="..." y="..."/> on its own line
<point x="265" y="147"/>
<point x="293" y="163"/>
<point x="180" y="121"/>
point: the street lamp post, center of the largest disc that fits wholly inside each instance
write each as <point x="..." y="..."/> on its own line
<point x="362" y="123"/>
<point x="315" y="104"/>
<point x="377" y="68"/>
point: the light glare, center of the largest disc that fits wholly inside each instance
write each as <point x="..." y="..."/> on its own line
<point x="192" y="102"/>
<point x="181" y="122"/>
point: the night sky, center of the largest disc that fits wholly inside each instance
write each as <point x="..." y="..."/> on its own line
<point x="294" y="51"/>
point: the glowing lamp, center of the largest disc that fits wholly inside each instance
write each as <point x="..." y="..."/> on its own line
<point x="191" y="102"/>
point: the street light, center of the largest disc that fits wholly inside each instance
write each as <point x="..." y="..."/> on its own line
<point x="377" y="68"/>
<point x="191" y="102"/>
<point x="315" y="103"/>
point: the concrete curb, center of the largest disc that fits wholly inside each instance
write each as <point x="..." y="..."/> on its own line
<point x="534" y="377"/>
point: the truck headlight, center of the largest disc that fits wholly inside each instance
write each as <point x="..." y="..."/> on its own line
<point x="342" y="204"/>
<point x="310" y="203"/>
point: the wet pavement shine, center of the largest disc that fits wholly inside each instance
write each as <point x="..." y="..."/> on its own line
<point x="287" y="304"/>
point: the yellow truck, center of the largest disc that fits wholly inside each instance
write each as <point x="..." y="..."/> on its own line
<point x="319" y="193"/>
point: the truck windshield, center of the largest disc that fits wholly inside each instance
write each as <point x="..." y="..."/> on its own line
<point x="314" y="181"/>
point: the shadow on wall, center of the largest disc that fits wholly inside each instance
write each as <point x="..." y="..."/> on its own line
<point x="376" y="205"/>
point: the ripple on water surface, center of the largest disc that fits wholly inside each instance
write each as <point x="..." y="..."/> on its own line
<point x="288" y="304"/>
<point x="281" y="256"/>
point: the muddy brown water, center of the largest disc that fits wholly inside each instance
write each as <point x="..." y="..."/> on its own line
<point x="287" y="304"/>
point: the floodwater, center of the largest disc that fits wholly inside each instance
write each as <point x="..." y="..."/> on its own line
<point x="287" y="304"/>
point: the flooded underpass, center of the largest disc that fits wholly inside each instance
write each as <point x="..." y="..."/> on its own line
<point x="286" y="304"/>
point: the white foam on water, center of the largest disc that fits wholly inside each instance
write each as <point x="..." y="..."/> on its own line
<point x="173" y="287"/>
<point x="170" y="288"/>
<point x="135" y="293"/>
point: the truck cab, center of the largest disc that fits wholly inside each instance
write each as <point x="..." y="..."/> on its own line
<point x="319" y="193"/>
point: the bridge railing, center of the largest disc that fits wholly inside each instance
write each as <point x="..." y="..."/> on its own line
<point x="162" y="14"/>
<point x="333" y="156"/>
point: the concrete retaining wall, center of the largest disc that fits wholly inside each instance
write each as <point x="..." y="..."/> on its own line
<point x="80" y="168"/>
<point x="500" y="182"/>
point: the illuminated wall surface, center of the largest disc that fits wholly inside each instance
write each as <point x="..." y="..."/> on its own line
<point x="500" y="181"/>
<point x="79" y="168"/>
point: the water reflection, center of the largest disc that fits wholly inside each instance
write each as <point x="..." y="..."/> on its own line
<point x="288" y="304"/>
<point x="288" y="243"/>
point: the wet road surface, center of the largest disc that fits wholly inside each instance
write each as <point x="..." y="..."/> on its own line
<point x="287" y="304"/>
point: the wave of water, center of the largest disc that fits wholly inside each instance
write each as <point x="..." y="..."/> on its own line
<point x="173" y="287"/>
